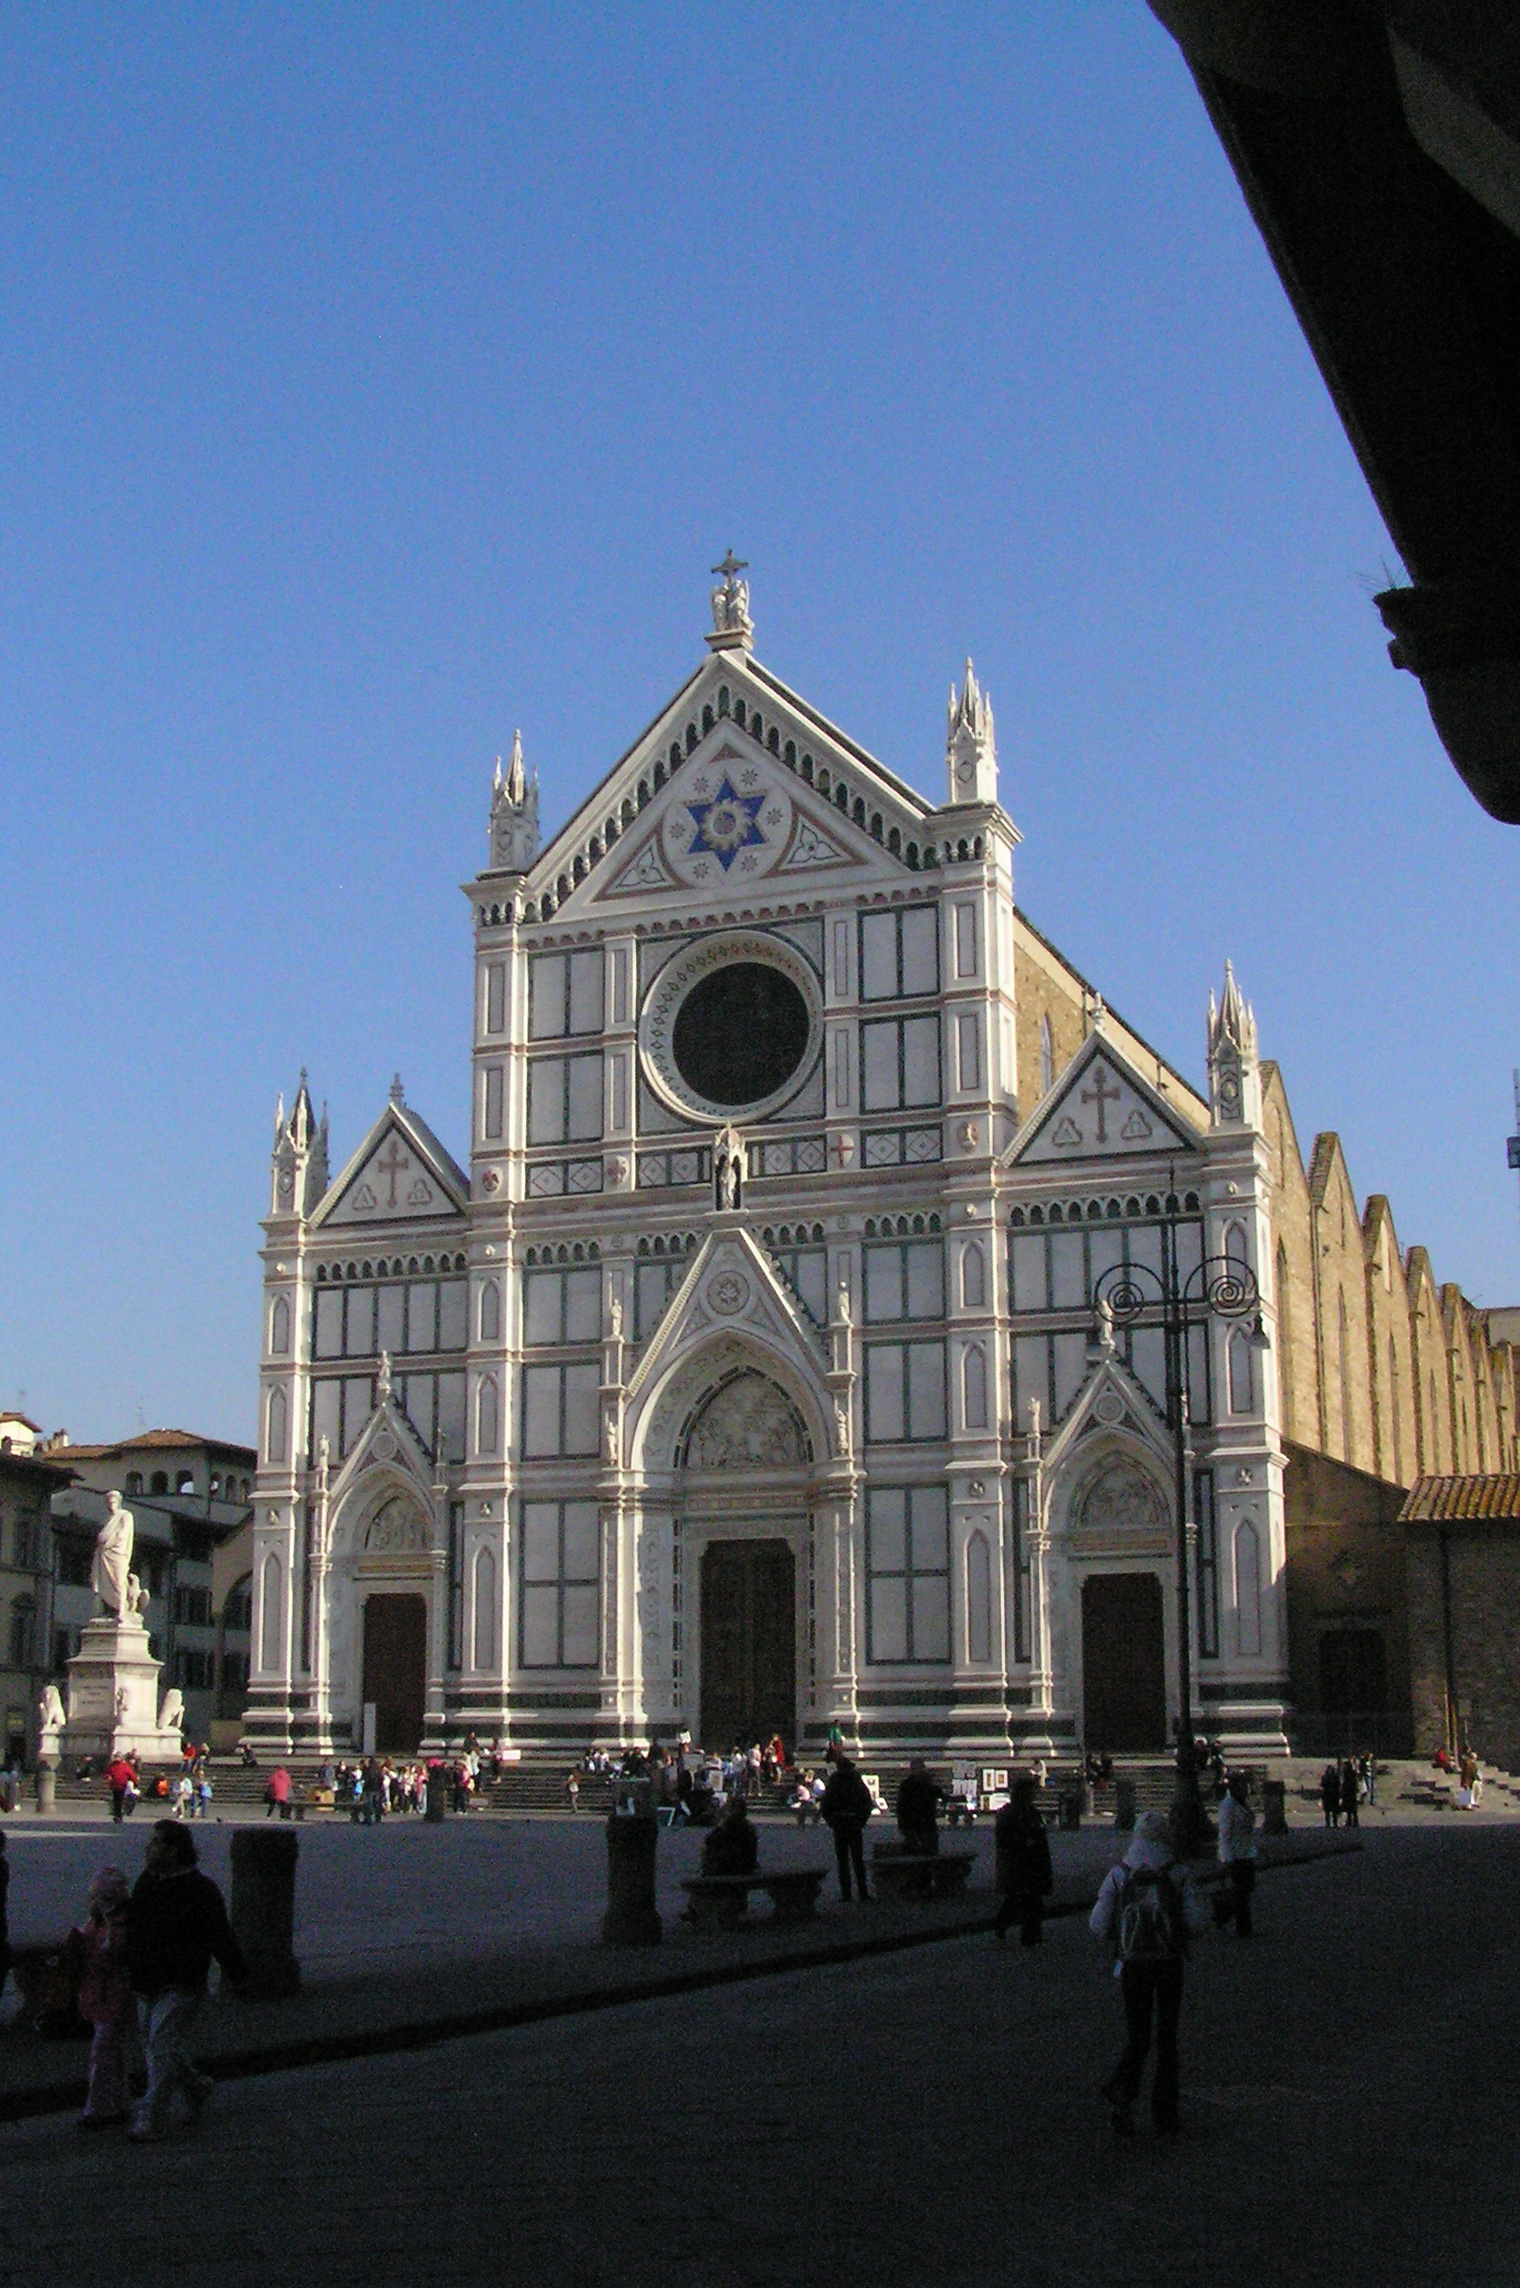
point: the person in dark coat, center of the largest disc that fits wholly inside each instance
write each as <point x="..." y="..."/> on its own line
<point x="847" y="1807"/>
<point x="918" y="1802"/>
<point x="732" y="1848"/>
<point x="5" y="1928"/>
<point x="176" y="1924"/>
<point x="1024" y="1874"/>
<point x="1330" y="1795"/>
<point x="1350" y="1792"/>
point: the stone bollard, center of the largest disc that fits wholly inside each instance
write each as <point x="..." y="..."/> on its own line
<point x="437" y="1795"/>
<point x="1274" y="1801"/>
<point x="46" y="1785"/>
<point x="1124" y="1805"/>
<point x="263" y="1908"/>
<point x="631" y="1918"/>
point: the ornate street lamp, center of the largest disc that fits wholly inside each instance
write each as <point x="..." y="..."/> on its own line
<point x="1219" y="1287"/>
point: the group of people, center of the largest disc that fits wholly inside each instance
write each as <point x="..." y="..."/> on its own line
<point x="1345" y="1786"/>
<point x="135" y="1972"/>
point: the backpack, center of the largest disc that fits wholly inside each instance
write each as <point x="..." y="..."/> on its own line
<point x="1151" y="1926"/>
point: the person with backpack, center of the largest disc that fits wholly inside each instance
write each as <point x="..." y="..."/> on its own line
<point x="1146" y="1911"/>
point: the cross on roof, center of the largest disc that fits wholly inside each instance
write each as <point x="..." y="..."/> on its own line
<point x="393" y="1167"/>
<point x="731" y="566"/>
<point x="1102" y="1097"/>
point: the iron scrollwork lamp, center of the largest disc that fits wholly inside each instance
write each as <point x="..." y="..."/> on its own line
<point x="1218" y="1287"/>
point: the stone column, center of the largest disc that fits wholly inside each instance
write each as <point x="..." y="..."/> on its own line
<point x="631" y="1918"/>
<point x="263" y="1908"/>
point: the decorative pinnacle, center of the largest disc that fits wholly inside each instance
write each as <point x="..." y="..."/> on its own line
<point x="398" y="1093"/>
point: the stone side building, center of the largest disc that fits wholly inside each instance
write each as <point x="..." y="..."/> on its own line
<point x="752" y="1374"/>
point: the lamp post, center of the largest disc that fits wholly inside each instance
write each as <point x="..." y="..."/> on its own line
<point x="1218" y="1287"/>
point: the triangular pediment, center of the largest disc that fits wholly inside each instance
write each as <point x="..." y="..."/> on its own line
<point x="387" y="1450"/>
<point x="400" y="1174"/>
<point x="1102" y="1108"/>
<point x="737" y="783"/>
<point x="732" y="1288"/>
<point x="1112" y="1403"/>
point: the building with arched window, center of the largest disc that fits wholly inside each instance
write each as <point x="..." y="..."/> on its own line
<point x="744" y="1373"/>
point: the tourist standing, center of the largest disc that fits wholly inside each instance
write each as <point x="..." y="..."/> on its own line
<point x="277" y="1794"/>
<point x="1237" y="1856"/>
<point x="1350" y="1792"/>
<point x="1146" y="1911"/>
<point x="847" y="1808"/>
<point x="1025" y="1877"/>
<point x="118" y="1779"/>
<point x="106" y="2001"/>
<point x="1330" y="1794"/>
<point x="918" y="1802"/>
<point x="176" y="1923"/>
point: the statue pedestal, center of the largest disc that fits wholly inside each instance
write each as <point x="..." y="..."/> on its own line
<point x="113" y="1695"/>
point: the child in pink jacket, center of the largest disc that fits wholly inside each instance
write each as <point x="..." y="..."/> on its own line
<point x="106" y="2000"/>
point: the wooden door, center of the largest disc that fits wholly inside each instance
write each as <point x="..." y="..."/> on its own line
<point x="749" y="1643"/>
<point x="1123" y="1664"/>
<point x="395" y="1669"/>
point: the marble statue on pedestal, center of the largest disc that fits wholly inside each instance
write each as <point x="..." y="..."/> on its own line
<point x="110" y="1574"/>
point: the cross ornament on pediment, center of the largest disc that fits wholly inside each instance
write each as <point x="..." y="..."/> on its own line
<point x="1101" y="1097"/>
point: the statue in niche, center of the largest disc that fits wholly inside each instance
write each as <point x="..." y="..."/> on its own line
<point x="615" y="1316"/>
<point x="111" y="1571"/>
<point x="728" y="1169"/>
<point x="171" y="1716"/>
<point x="842" y="1304"/>
<point x="383" y="1380"/>
<point x="748" y="1425"/>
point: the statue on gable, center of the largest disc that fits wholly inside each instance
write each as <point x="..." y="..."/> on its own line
<point x="730" y="603"/>
<point x="111" y="1571"/>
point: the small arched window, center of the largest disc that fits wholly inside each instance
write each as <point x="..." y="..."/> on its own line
<point x="1047" y="1057"/>
<point x="279" y="1418"/>
<point x="1247" y="1589"/>
<point x="272" y="1613"/>
<point x="1242" y="1379"/>
<point x="487" y="1417"/>
<point x="973" y="1276"/>
<point x="490" y="1312"/>
<point x="485" y="1609"/>
<point x="978" y="1598"/>
<point x="1235" y="1245"/>
<point x="974" y="1388"/>
<point x="279" y="1327"/>
<point x="134" y="1481"/>
<point x="159" y="1483"/>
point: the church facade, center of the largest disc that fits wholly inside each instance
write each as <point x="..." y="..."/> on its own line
<point x="754" y="1375"/>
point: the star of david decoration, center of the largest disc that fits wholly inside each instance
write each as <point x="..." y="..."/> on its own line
<point x="726" y="825"/>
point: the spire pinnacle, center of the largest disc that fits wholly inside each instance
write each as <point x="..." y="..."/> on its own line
<point x="971" y="743"/>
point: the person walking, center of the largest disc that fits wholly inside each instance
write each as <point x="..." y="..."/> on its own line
<point x="277" y="1794"/>
<point x="1024" y="1874"/>
<point x="176" y="1924"/>
<point x="1330" y="1794"/>
<point x="106" y="2001"/>
<point x="1237" y="1856"/>
<point x="1146" y="1912"/>
<point x="847" y="1808"/>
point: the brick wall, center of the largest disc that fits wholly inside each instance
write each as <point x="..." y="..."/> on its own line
<point x="1485" y="1615"/>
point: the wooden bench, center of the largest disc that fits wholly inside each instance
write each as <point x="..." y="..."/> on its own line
<point x="714" y="1900"/>
<point x="921" y="1875"/>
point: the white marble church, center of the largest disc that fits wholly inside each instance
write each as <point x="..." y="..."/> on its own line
<point x="749" y="1378"/>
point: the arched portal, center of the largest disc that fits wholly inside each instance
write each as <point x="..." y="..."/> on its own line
<point x="742" y="1492"/>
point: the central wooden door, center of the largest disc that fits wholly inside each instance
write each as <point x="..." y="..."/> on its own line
<point x="1123" y="1664"/>
<point x="395" y="1669"/>
<point x="749" y="1643"/>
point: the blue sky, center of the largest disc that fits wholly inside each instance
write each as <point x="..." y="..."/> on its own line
<point x="377" y="379"/>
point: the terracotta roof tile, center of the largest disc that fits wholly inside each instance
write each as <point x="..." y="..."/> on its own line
<point x="1432" y="1501"/>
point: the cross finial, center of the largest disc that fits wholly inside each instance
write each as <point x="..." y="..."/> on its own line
<point x="732" y="625"/>
<point x="398" y="1093"/>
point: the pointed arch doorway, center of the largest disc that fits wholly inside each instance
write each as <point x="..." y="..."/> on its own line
<point x="745" y="1471"/>
<point x="395" y="1668"/>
